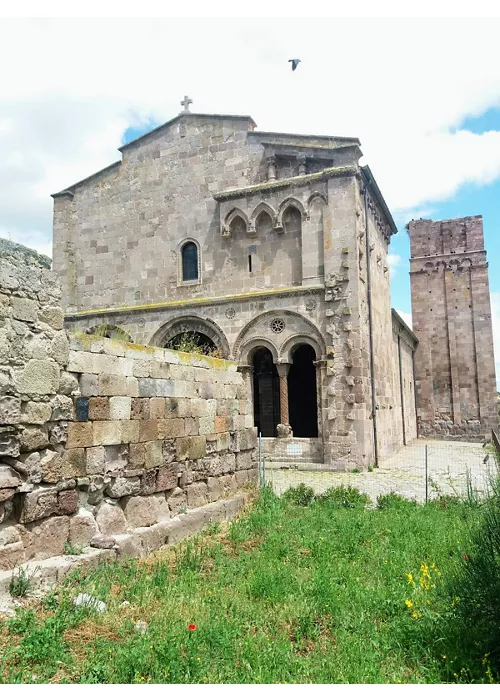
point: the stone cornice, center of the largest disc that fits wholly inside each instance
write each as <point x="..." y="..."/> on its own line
<point x="187" y="303"/>
<point x="298" y="181"/>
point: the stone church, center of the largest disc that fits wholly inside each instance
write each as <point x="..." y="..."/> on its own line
<point x="269" y="249"/>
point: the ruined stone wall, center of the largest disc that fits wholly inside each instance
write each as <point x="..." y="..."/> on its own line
<point x="455" y="370"/>
<point x="101" y="441"/>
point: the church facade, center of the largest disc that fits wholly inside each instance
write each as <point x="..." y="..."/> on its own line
<point x="269" y="249"/>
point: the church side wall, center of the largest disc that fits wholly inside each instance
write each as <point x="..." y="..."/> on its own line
<point x="105" y="443"/>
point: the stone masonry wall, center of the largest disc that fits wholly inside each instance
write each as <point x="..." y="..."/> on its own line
<point x="104" y="442"/>
<point x="454" y="363"/>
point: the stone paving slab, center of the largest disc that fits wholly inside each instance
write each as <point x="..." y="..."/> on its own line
<point x="451" y="466"/>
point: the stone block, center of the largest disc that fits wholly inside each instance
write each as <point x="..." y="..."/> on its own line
<point x="42" y="503"/>
<point x="11" y="556"/>
<point x="59" y="348"/>
<point x="156" y="387"/>
<point x="68" y="384"/>
<point x="191" y="447"/>
<point x="153" y="454"/>
<point x="233" y="506"/>
<point x="107" y="432"/>
<point x="148" y="430"/>
<point x="177" y="501"/>
<point x="53" y="316"/>
<point x="89" y="385"/>
<point x="127" y="546"/>
<point x="45" y="539"/>
<point x="10" y="410"/>
<point x="82" y="528"/>
<point x="122" y="486"/>
<point x="228" y="484"/>
<point x="141" y="368"/>
<point x="166" y="478"/>
<point x="56" y="466"/>
<point x="35" y="413"/>
<point x="156" y="407"/>
<point x="33" y="439"/>
<point x="9" y="535"/>
<point x="197" y="494"/>
<point x="119" y="407"/>
<point x="9" y="443"/>
<point x="244" y="460"/>
<point x="81" y="362"/>
<point x="80" y="435"/>
<point x="112" y="385"/>
<point x="62" y="408"/>
<point x="140" y="511"/>
<point x="206" y="425"/>
<point x="161" y="506"/>
<point x="130" y="430"/>
<point x="148" y="481"/>
<point x="9" y="479"/>
<point x="95" y="460"/>
<point x="110" y="519"/>
<point x="24" y="309"/>
<point x="171" y="428"/>
<point x="6" y="494"/>
<point x="214" y="489"/>
<point x="116" y="458"/>
<point x="154" y="537"/>
<point x="140" y="410"/>
<point x="221" y="424"/>
<point x="38" y="377"/>
<point x="241" y="477"/>
<point x="159" y="370"/>
<point x="99" y="408"/>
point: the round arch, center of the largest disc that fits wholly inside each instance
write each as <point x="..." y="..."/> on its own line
<point x="249" y="349"/>
<point x="296" y="341"/>
<point x="257" y="330"/>
<point x="195" y="324"/>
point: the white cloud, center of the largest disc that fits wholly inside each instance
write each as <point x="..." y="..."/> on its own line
<point x="402" y="86"/>
<point x="406" y="317"/>
<point x="393" y="260"/>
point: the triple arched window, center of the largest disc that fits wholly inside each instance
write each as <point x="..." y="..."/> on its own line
<point x="189" y="262"/>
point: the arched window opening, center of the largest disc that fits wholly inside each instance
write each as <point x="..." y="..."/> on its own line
<point x="266" y="393"/>
<point x="106" y="330"/>
<point x="302" y="393"/>
<point x="238" y="227"/>
<point x="189" y="262"/>
<point x="192" y="341"/>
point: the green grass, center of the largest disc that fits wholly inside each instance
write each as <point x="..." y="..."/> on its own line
<point x="285" y="594"/>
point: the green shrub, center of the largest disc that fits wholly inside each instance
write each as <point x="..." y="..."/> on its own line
<point x="300" y="495"/>
<point x="393" y="500"/>
<point x="74" y="549"/>
<point x="344" y="497"/>
<point x="21" y="583"/>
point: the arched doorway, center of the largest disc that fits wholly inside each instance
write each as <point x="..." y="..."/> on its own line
<point x="302" y="393"/>
<point x="265" y="393"/>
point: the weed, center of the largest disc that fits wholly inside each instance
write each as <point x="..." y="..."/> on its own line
<point x="344" y="497"/>
<point x="74" y="549"/>
<point x="300" y="495"/>
<point x="356" y="470"/>
<point x="393" y="500"/>
<point x="22" y="583"/>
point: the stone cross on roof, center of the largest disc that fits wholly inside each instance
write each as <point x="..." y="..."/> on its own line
<point x="186" y="102"/>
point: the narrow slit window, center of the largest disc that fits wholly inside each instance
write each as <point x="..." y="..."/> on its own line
<point x="189" y="262"/>
<point x="249" y="263"/>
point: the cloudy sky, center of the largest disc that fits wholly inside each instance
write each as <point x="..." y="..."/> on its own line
<point x="423" y="96"/>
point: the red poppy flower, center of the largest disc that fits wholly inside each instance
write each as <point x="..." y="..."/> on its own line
<point x="464" y="556"/>
<point x="192" y="627"/>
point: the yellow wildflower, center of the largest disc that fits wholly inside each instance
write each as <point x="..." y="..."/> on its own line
<point x="416" y="614"/>
<point x="411" y="580"/>
<point x="408" y="603"/>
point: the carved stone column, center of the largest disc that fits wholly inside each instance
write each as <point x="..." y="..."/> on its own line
<point x="271" y="168"/>
<point x="283" y="369"/>
<point x="302" y="165"/>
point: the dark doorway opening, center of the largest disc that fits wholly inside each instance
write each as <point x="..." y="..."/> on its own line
<point x="266" y="396"/>
<point x="302" y="393"/>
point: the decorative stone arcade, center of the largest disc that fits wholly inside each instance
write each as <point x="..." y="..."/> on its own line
<point x="285" y="393"/>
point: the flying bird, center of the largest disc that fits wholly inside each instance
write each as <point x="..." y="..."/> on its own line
<point x="294" y="61"/>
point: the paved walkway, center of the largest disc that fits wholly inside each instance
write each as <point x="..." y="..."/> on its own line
<point x="451" y="466"/>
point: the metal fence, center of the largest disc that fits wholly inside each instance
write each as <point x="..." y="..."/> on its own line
<point x="423" y="470"/>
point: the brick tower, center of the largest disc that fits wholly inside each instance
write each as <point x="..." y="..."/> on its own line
<point x="454" y="362"/>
